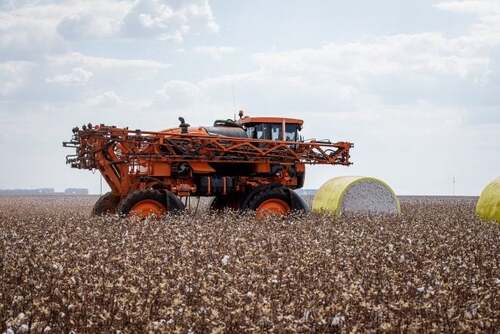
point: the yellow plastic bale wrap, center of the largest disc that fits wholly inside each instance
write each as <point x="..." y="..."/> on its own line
<point x="355" y="194"/>
<point x="488" y="206"/>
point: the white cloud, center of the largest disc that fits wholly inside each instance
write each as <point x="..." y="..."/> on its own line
<point x="487" y="29"/>
<point x="168" y="20"/>
<point x="42" y="27"/>
<point x="105" y="100"/>
<point x="13" y="76"/>
<point x="429" y="54"/>
<point x="26" y="37"/>
<point x="71" y="77"/>
<point x="178" y="94"/>
<point x="76" y="58"/>
<point x="87" y="26"/>
<point x="111" y="73"/>
<point x="399" y="69"/>
<point x="481" y="7"/>
<point x="77" y="76"/>
<point x="92" y="19"/>
<point x="215" y="52"/>
<point x="35" y="29"/>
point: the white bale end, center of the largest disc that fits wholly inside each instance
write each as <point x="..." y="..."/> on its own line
<point x="356" y="194"/>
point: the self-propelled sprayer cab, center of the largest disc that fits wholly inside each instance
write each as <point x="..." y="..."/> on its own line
<point x="264" y="128"/>
<point x="272" y="128"/>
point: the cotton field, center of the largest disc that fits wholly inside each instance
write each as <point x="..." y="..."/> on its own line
<point x="434" y="268"/>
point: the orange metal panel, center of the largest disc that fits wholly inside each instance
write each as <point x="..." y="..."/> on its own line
<point x="191" y="131"/>
<point x="279" y="120"/>
<point x="162" y="169"/>
<point x="262" y="168"/>
<point x="299" y="167"/>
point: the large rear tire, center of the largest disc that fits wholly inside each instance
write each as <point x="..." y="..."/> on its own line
<point x="150" y="202"/>
<point x="274" y="200"/>
<point x="106" y="205"/>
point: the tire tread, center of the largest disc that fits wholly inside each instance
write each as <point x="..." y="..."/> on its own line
<point x="171" y="202"/>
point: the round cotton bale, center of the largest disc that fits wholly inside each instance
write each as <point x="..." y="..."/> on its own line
<point x="356" y="194"/>
<point x="488" y="205"/>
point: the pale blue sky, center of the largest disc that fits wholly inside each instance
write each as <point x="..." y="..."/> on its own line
<point x="414" y="84"/>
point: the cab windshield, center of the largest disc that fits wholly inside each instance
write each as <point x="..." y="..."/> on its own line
<point x="273" y="131"/>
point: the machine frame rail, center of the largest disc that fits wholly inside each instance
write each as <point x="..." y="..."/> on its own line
<point x="135" y="147"/>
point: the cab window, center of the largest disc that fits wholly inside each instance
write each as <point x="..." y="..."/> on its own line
<point x="291" y="132"/>
<point x="276" y="130"/>
<point x="263" y="131"/>
<point x="271" y="131"/>
<point x="251" y="132"/>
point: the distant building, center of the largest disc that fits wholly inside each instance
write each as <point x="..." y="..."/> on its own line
<point x="76" y="191"/>
<point x="27" y="192"/>
<point x="43" y="192"/>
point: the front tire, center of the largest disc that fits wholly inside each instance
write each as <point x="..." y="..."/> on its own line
<point x="106" y="205"/>
<point x="274" y="200"/>
<point x="150" y="202"/>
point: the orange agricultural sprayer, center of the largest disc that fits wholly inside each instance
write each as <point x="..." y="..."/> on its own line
<point x="253" y="163"/>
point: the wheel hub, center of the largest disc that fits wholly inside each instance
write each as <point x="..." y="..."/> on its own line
<point x="273" y="206"/>
<point x="147" y="208"/>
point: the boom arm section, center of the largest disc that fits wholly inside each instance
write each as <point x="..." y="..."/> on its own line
<point x="111" y="148"/>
